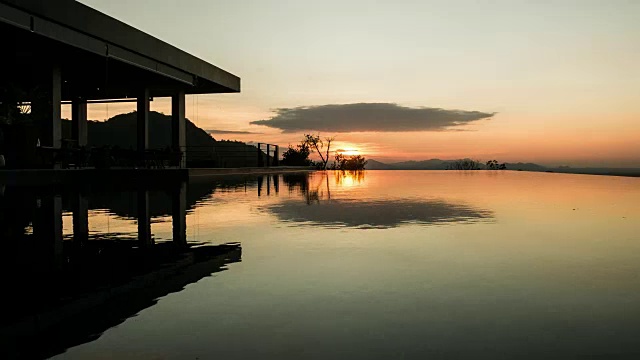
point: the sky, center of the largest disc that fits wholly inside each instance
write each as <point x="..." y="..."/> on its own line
<point x="551" y="82"/>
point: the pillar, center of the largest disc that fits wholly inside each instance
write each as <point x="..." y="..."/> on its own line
<point x="144" y="219"/>
<point x="276" y="156"/>
<point x="143" y="122"/>
<point x="53" y="125"/>
<point x="46" y="109"/>
<point x="179" y="127"/>
<point x="268" y="152"/>
<point x="79" y="129"/>
<point x="80" y="208"/>
<point x="179" y="214"/>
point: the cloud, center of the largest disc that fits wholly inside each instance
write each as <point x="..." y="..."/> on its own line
<point x="225" y="132"/>
<point x="379" y="214"/>
<point x="370" y="117"/>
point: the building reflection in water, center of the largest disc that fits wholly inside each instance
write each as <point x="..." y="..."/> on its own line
<point x="63" y="292"/>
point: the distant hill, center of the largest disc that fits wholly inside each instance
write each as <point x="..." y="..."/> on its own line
<point x="437" y="164"/>
<point x="597" y="171"/>
<point x="526" y="167"/>
<point x="377" y="165"/>
<point x="432" y="164"/>
<point x="203" y="150"/>
<point x="121" y="130"/>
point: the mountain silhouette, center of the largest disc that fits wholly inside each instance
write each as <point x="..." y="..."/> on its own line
<point x="437" y="164"/>
<point x="202" y="149"/>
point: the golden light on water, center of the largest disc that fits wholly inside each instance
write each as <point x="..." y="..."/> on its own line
<point x="348" y="179"/>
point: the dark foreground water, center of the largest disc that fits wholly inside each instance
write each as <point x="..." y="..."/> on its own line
<point x="375" y="265"/>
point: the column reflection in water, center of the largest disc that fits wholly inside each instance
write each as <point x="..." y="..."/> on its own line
<point x="276" y="183"/>
<point x="144" y="219"/>
<point x="179" y="213"/>
<point x="66" y="290"/>
<point x="268" y="185"/>
<point x="80" y="208"/>
<point x="47" y="228"/>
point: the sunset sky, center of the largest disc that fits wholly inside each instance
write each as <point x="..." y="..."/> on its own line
<point x="551" y="82"/>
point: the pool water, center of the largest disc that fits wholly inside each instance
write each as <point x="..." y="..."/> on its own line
<point x="398" y="264"/>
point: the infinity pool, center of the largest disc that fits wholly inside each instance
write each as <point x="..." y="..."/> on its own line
<point x="395" y="264"/>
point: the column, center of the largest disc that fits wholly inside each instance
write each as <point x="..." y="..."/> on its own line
<point x="144" y="219"/>
<point x="53" y="125"/>
<point x="46" y="110"/>
<point x="79" y="129"/>
<point x="179" y="214"/>
<point x="143" y="123"/>
<point x="179" y="127"/>
<point x="268" y="152"/>
<point x="276" y="156"/>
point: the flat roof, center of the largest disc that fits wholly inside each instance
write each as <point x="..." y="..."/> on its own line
<point x="82" y="27"/>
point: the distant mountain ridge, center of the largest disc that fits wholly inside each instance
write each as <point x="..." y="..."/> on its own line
<point x="438" y="164"/>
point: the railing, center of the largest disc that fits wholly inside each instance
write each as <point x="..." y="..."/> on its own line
<point x="230" y="154"/>
<point x="224" y="154"/>
<point x="272" y="158"/>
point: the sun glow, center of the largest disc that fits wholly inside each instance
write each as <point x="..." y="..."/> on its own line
<point x="348" y="152"/>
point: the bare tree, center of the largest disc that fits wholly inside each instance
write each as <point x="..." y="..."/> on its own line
<point x="316" y="142"/>
<point x="465" y="164"/>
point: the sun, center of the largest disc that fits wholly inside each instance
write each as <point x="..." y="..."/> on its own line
<point x="348" y="152"/>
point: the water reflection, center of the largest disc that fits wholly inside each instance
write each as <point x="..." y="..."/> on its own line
<point x="67" y="289"/>
<point x="376" y="214"/>
<point x="537" y="266"/>
<point x="296" y="183"/>
<point x="319" y="209"/>
<point x="348" y="178"/>
<point x="124" y="203"/>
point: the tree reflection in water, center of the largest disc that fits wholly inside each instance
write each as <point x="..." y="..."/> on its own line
<point x="347" y="210"/>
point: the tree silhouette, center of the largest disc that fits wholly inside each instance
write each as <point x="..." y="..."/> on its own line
<point x="317" y="143"/>
<point x="297" y="156"/>
<point x="494" y="165"/>
<point x="354" y="162"/>
<point x="465" y="164"/>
